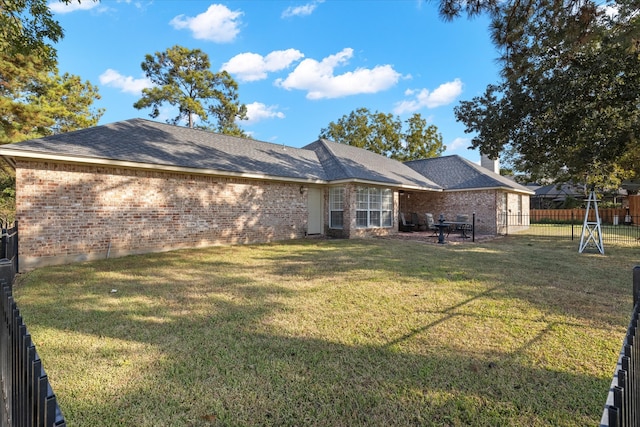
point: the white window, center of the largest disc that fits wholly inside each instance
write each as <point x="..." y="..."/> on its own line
<point x="374" y="207"/>
<point x="336" y="207"/>
<point x="520" y="209"/>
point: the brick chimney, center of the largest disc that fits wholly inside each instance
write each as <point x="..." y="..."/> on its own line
<point x="492" y="164"/>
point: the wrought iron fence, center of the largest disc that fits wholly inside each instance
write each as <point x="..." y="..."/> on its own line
<point x="26" y="398"/>
<point x="617" y="229"/>
<point x="622" y="408"/>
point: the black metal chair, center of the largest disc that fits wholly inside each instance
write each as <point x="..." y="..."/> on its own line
<point x="405" y="225"/>
<point x="431" y="224"/>
<point x="419" y="225"/>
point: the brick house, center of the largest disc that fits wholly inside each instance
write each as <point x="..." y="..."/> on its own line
<point x="469" y="188"/>
<point x="140" y="186"/>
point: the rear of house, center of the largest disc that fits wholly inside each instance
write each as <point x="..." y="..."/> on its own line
<point x="140" y="186"/>
<point x="498" y="202"/>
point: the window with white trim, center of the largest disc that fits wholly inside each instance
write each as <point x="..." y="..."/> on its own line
<point x="336" y="207"/>
<point x="520" y="209"/>
<point x="374" y="207"/>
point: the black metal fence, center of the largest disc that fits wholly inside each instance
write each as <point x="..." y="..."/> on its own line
<point x="570" y="227"/>
<point x="26" y="397"/>
<point x="9" y="244"/>
<point x="622" y="408"/>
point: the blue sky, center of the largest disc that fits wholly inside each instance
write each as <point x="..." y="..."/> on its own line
<point x="299" y="64"/>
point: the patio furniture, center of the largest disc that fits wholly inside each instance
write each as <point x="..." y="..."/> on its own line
<point x="462" y="225"/>
<point x="420" y="225"/>
<point x="431" y="223"/>
<point x="406" y="225"/>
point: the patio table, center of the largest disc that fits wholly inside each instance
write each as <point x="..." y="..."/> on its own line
<point x="465" y="227"/>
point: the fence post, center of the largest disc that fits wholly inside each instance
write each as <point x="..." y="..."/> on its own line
<point x="16" y="255"/>
<point x="636" y="284"/>
<point x="7" y="274"/>
<point x="572" y="221"/>
<point x="473" y="228"/>
<point x="3" y="241"/>
<point x="506" y="222"/>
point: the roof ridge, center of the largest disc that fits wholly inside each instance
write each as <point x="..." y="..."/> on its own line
<point x="324" y="142"/>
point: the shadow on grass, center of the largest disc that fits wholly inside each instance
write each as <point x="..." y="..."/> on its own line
<point x="220" y="353"/>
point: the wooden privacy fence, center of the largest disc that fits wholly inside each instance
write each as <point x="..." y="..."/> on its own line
<point x="606" y="215"/>
<point x="623" y="401"/>
<point x="26" y="397"/>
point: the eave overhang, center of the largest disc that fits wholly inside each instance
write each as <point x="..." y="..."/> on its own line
<point x="502" y="188"/>
<point x="11" y="155"/>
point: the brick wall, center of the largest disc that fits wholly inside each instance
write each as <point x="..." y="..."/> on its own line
<point x="72" y="212"/>
<point x="487" y="205"/>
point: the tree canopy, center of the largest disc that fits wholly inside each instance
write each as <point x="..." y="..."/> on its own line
<point x="35" y="100"/>
<point x="27" y="27"/>
<point x="383" y="134"/>
<point x="567" y="104"/>
<point x="183" y="79"/>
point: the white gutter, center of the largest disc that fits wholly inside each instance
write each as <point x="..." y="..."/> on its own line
<point x="378" y="183"/>
<point x="514" y="190"/>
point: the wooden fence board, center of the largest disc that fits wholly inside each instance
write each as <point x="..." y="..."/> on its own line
<point x="634" y="205"/>
<point x="606" y="215"/>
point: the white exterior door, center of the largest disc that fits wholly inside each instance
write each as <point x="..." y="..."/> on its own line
<point x="314" y="207"/>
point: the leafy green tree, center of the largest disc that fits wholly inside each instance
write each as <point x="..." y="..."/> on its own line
<point x="183" y="79"/>
<point x="36" y="102"/>
<point x="567" y="106"/>
<point x="421" y="141"/>
<point x="27" y="27"/>
<point x="383" y="134"/>
<point x="34" y="99"/>
<point x="570" y="19"/>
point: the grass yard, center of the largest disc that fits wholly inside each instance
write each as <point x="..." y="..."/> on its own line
<point x="518" y="331"/>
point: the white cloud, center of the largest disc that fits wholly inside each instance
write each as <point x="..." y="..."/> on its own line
<point x="257" y="111"/>
<point x="304" y="10"/>
<point x="218" y="24"/>
<point x="459" y="143"/>
<point x="249" y="67"/>
<point x="318" y="78"/>
<point x="125" y="83"/>
<point x="60" y="7"/>
<point x="444" y="94"/>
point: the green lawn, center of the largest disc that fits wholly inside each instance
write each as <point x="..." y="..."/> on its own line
<point x="518" y="331"/>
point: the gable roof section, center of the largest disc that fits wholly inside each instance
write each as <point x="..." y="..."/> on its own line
<point x="453" y="173"/>
<point x="343" y="162"/>
<point x="141" y="143"/>
<point x="148" y="144"/>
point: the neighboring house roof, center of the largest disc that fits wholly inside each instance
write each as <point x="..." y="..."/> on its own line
<point x="559" y="192"/>
<point x="453" y="173"/>
<point x="343" y="162"/>
<point x="632" y="185"/>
